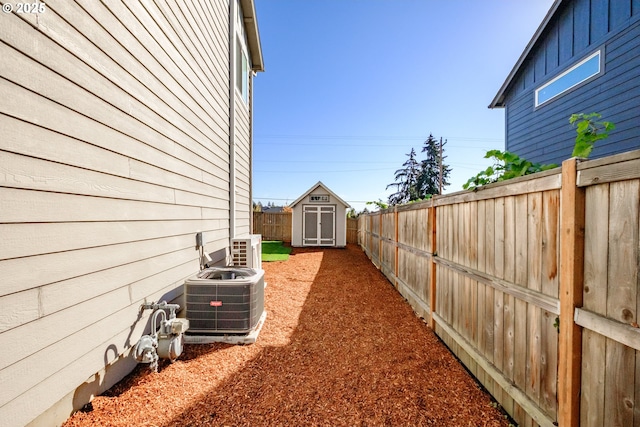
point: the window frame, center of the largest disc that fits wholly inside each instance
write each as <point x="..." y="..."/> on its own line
<point x="242" y="64"/>
<point x="597" y="53"/>
<point x="242" y="70"/>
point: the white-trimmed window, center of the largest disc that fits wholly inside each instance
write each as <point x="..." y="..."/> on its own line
<point x="242" y="59"/>
<point x="587" y="68"/>
<point x="242" y="71"/>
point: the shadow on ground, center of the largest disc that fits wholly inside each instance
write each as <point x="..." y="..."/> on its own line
<point x="341" y="347"/>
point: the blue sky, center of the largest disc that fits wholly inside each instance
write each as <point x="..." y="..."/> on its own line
<point x="350" y="86"/>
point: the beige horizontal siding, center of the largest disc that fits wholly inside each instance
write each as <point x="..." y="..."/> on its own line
<point x="114" y="153"/>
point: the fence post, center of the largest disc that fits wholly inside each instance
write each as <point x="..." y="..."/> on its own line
<point x="572" y="217"/>
<point x="433" y="281"/>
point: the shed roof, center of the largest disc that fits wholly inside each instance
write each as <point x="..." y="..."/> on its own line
<point x="253" y="35"/>
<point x="325" y="188"/>
<point x="498" y="100"/>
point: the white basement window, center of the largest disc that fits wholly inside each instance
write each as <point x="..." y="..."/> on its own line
<point x="582" y="71"/>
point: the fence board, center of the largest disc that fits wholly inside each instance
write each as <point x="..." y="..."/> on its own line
<point x="497" y="288"/>
<point x="481" y="320"/>
<point x="520" y="312"/>
<point x="388" y="245"/>
<point x="625" y="166"/>
<point x="621" y="299"/>
<point x="499" y="271"/>
<point x="490" y="236"/>
<point x="596" y="244"/>
<point x="352" y="230"/>
<point x="534" y="282"/>
<point x="273" y="225"/>
<point x="549" y="287"/>
<point x="473" y="263"/>
<point x="510" y="275"/>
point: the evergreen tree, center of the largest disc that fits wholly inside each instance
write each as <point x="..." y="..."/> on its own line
<point x="428" y="181"/>
<point x="406" y="181"/>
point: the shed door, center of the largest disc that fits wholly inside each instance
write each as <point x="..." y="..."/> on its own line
<point x="319" y="226"/>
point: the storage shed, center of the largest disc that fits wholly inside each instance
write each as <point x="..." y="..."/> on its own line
<point x="319" y="218"/>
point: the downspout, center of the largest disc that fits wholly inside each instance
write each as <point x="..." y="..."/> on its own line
<point x="232" y="120"/>
<point x="251" y="74"/>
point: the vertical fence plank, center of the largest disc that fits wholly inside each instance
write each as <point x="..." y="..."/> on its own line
<point x="481" y="320"/>
<point x="473" y="263"/>
<point x="509" y="303"/>
<point x="596" y="249"/>
<point x="621" y="299"/>
<point x="499" y="271"/>
<point x="380" y="254"/>
<point x="490" y="250"/>
<point x="455" y="282"/>
<point x="520" y="312"/>
<point x="549" y="277"/>
<point x="534" y="282"/>
<point x="446" y="251"/>
<point x="465" y="293"/>
<point x="444" y="294"/>
<point x="396" y="254"/>
<point x="433" y="292"/>
<point x="571" y="282"/>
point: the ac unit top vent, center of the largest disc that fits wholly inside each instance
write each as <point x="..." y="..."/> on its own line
<point x="226" y="273"/>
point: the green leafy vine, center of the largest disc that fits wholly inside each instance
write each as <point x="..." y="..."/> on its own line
<point x="588" y="132"/>
<point x="508" y="165"/>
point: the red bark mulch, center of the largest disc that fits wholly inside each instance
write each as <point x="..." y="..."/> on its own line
<point x="340" y="347"/>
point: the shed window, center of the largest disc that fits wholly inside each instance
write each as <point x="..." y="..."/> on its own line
<point x="582" y="71"/>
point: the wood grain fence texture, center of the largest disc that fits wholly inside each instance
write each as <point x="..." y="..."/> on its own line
<point x="490" y="285"/>
<point x="277" y="226"/>
<point x="273" y="226"/>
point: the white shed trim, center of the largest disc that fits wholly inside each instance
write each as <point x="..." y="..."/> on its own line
<point x="312" y="189"/>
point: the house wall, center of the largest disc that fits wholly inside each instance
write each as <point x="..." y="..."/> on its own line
<point x="579" y="28"/>
<point x="114" y="152"/>
<point x="341" y="218"/>
<point x="243" y="203"/>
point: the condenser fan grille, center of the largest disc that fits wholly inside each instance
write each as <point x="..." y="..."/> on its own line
<point x="224" y="305"/>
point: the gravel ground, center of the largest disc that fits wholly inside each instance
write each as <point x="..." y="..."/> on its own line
<point x="340" y="347"/>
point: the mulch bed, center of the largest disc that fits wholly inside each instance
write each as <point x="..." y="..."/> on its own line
<point x="340" y="347"/>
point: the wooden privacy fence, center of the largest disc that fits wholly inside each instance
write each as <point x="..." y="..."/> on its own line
<point x="273" y="226"/>
<point x="533" y="283"/>
<point x="277" y="226"/>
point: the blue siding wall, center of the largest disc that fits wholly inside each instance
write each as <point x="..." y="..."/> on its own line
<point x="579" y="28"/>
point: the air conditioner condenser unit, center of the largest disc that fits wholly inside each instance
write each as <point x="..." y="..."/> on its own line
<point x="224" y="300"/>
